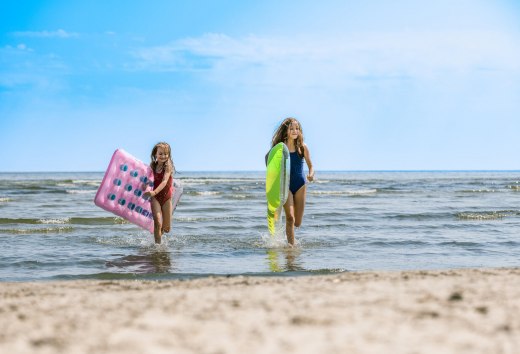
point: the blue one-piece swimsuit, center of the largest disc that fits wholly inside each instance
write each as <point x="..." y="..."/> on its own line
<point x="297" y="176"/>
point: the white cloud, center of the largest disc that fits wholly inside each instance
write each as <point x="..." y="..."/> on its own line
<point x="364" y="54"/>
<point x="22" y="67"/>
<point x="60" y="33"/>
<point x="21" y="47"/>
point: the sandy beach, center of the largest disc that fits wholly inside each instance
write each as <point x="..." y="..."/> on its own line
<point x="451" y="311"/>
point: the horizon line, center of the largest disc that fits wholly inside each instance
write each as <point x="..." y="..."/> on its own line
<point x="256" y="171"/>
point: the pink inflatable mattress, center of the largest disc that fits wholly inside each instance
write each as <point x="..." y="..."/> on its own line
<point x="121" y="191"/>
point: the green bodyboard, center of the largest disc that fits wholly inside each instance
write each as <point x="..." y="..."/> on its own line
<point x="277" y="184"/>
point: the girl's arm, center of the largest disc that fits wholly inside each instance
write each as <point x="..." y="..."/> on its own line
<point x="307" y="155"/>
<point x="167" y="173"/>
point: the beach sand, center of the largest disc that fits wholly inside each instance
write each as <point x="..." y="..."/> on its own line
<point x="450" y="311"/>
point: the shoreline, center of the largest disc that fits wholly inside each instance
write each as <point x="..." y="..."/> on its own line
<point x="444" y="311"/>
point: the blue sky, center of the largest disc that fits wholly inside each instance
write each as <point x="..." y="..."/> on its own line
<point x="377" y="85"/>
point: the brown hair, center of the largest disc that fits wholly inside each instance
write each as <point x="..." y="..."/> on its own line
<point x="281" y="134"/>
<point x="165" y="146"/>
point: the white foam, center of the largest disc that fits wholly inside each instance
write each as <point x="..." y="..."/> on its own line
<point x="205" y="193"/>
<point x="80" y="191"/>
<point x="58" y="229"/>
<point x="87" y="182"/>
<point x="203" y="218"/>
<point x="346" y="192"/>
<point x="54" y="221"/>
<point x="362" y="191"/>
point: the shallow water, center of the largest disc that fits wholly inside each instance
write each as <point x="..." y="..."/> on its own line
<point x="51" y="229"/>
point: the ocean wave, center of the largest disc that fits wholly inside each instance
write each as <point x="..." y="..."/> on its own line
<point x="213" y="180"/>
<point x="45" y="184"/>
<point x="460" y="243"/>
<point x="479" y="215"/>
<point x="54" y="221"/>
<point x="490" y="215"/>
<point x="322" y="181"/>
<point x="7" y="221"/>
<point x="203" y="218"/>
<point x="420" y="216"/>
<point x="478" y="191"/>
<point x="5" y="200"/>
<point x="509" y="243"/>
<point x="99" y="221"/>
<point x="352" y="192"/>
<point x="203" y="193"/>
<point x="398" y="243"/>
<point x="239" y="196"/>
<point x="81" y="191"/>
<point x="243" y="196"/>
<point x="71" y="220"/>
<point x="86" y="182"/>
<point x="29" y="187"/>
<point x="46" y="230"/>
<point x="396" y="190"/>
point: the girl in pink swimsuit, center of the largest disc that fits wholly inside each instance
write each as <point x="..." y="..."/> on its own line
<point x="163" y="170"/>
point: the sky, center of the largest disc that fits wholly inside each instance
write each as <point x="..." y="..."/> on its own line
<point x="376" y="84"/>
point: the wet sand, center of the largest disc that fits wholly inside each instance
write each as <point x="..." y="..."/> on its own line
<point x="450" y="311"/>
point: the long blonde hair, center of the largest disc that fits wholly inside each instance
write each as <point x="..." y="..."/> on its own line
<point x="165" y="146"/>
<point x="281" y="135"/>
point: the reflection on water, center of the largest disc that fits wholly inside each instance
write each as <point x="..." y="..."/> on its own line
<point x="154" y="261"/>
<point x="290" y="257"/>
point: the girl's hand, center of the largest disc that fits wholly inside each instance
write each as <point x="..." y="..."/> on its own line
<point x="310" y="177"/>
<point x="149" y="194"/>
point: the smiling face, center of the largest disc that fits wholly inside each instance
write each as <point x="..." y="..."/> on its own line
<point x="293" y="131"/>
<point x="161" y="155"/>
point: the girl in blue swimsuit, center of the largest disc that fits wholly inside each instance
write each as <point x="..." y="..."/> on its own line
<point x="291" y="134"/>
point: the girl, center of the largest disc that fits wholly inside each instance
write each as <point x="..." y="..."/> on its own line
<point x="291" y="134"/>
<point x="163" y="170"/>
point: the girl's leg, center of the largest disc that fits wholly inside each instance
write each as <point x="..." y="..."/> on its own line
<point x="157" y="220"/>
<point x="167" y="216"/>
<point x="289" y="218"/>
<point x="299" y="205"/>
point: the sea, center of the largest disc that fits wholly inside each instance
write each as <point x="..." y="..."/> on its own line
<point x="50" y="228"/>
